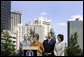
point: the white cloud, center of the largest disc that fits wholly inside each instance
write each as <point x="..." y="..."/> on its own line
<point x="75" y="17"/>
<point x="43" y="13"/>
<point x="61" y="24"/>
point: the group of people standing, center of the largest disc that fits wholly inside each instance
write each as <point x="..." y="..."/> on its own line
<point x="49" y="46"/>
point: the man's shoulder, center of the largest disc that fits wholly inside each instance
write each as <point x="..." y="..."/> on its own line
<point x="21" y="41"/>
<point x="53" y="40"/>
<point x="45" y="40"/>
<point x="28" y="41"/>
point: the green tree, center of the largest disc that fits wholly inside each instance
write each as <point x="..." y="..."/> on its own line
<point x="7" y="46"/>
<point x="73" y="48"/>
<point x="53" y="33"/>
<point x="31" y="33"/>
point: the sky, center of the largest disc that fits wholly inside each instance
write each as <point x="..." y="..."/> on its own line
<point x="57" y="11"/>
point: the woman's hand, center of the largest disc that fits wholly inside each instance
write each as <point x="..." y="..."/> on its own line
<point x="57" y="54"/>
<point x="47" y="54"/>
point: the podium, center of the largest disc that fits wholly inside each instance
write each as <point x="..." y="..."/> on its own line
<point x="32" y="51"/>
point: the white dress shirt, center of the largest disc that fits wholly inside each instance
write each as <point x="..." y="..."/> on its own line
<point x="59" y="49"/>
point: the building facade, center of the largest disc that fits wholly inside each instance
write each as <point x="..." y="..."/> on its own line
<point x="41" y="26"/>
<point x="5" y="15"/>
<point x="15" y="19"/>
<point x="76" y="26"/>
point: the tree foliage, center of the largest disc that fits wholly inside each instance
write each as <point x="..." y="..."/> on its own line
<point x="31" y="33"/>
<point x="53" y="34"/>
<point x="7" y="46"/>
<point x="73" y="48"/>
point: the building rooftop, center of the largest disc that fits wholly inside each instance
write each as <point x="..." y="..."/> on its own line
<point x="16" y="11"/>
<point x="76" y="18"/>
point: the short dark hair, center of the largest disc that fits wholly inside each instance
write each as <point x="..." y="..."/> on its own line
<point x="49" y="33"/>
<point x="36" y="35"/>
<point x="61" y="37"/>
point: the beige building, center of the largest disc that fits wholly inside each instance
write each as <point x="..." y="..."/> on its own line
<point x="41" y="26"/>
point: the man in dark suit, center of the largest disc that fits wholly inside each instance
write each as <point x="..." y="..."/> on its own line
<point x="49" y="46"/>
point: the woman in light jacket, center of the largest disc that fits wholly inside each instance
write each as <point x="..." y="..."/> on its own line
<point x="59" y="46"/>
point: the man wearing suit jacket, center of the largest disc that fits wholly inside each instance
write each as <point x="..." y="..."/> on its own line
<point x="49" y="46"/>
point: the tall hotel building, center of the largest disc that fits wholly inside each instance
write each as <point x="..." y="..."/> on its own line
<point x="15" y="19"/>
<point x="5" y="15"/>
<point x="42" y="27"/>
<point x="76" y="26"/>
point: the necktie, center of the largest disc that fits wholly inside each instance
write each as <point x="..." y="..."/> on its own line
<point x="48" y="41"/>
